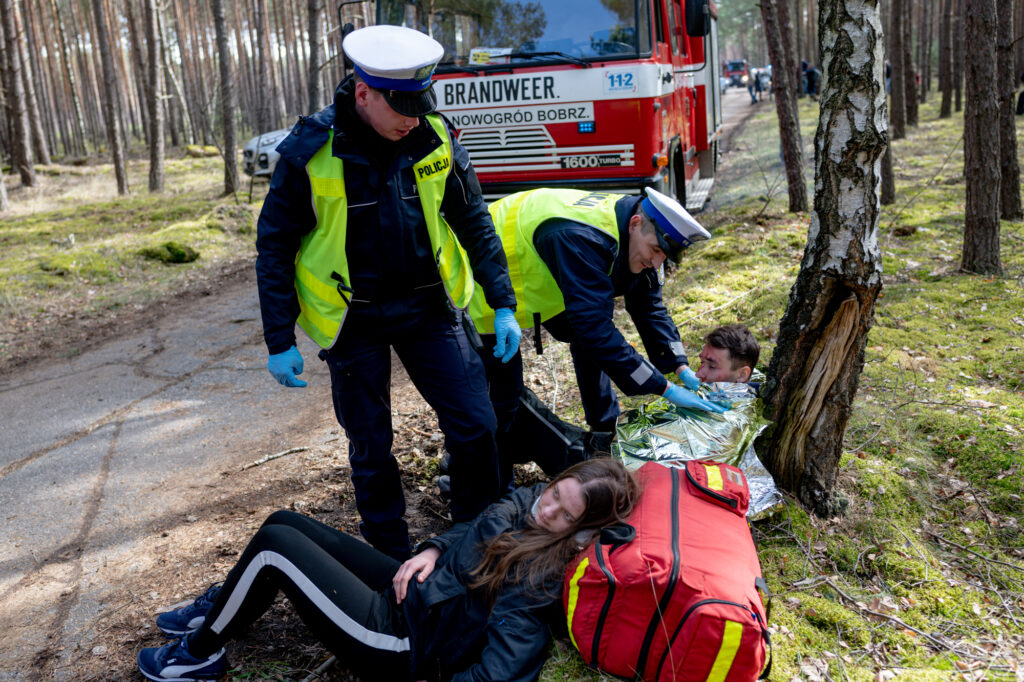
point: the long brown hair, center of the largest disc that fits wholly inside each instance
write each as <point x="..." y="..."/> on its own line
<point x="535" y="554"/>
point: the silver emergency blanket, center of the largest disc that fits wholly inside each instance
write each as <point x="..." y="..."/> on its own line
<point x="662" y="432"/>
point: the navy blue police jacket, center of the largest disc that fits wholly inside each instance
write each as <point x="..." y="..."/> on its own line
<point x="580" y="258"/>
<point x="455" y="632"/>
<point x="387" y="245"/>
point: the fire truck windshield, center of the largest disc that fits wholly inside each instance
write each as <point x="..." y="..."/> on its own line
<point x="478" y="34"/>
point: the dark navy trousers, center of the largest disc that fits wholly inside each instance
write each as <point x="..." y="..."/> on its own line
<point x="505" y="385"/>
<point x="448" y="373"/>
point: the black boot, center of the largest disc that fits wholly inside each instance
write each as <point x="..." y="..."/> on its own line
<point x="598" y="443"/>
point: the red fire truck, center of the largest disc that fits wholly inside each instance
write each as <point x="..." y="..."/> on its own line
<point x="595" y="94"/>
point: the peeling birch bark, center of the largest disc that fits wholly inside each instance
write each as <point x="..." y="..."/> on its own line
<point x="813" y="374"/>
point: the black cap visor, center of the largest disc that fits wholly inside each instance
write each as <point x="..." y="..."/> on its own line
<point x="415" y="104"/>
<point x="673" y="251"/>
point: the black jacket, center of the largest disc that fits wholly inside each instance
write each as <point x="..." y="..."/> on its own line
<point x="455" y="633"/>
<point x="591" y="270"/>
<point x="387" y="245"/>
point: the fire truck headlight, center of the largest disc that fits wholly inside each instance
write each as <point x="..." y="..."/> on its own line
<point x="585" y="127"/>
<point x="745" y="79"/>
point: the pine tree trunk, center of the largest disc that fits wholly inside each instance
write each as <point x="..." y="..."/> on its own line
<point x="958" y="55"/>
<point x="981" y="141"/>
<point x="184" y="125"/>
<point x="898" y="86"/>
<point x="1009" y="169"/>
<point x="248" y="85"/>
<point x="815" y="369"/>
<point x="17" y="111"/>
<point x="140" y="68"/>
<point x="888" y="192"/>
<point x="790" y="55"/>
<point x="785" y="105"/>
<point x="264" y="82"/>
<point x="315" y="9"/>
<point x="45" y="108"/>
<point x="35" y="119"/>
<point x="227" y="89"/>
<point x="57" y="102"/>
<point x="946" y="59"/>
<point x="1018" y="22"/>
<point x="154" y="100"/>
<point x="111" y="98"/>
<point x="909" y="72"/>
<point x="798" y="35"/>
<point x="924" y="49"/>
<point x="78" y="121"/>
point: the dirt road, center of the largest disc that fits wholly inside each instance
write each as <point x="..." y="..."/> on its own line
<point x="122" y="479"/>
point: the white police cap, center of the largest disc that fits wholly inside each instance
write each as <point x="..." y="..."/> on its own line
<point x="399" y="62"/>
<point x="677" y="229"/>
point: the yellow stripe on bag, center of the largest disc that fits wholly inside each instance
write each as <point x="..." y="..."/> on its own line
<point x="574" y="595"/>
<point x="714" y="477"/>
<point x="731" y="636"/>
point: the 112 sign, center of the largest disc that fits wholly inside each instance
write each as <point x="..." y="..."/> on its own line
<point x="619" y="81"/>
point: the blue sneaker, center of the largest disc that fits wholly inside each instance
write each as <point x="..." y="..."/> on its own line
<point x="188" y="618"/>
<point x="173" y="663"/>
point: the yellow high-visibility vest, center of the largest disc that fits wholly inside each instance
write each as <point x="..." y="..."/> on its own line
<point x="516" y="218"/>
<point x="321" y="266"/>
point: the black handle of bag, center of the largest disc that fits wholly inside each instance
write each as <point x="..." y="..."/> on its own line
<point x="768" y="668"/>
<point x="617" y="534"/>
<point x="762" y="586"/>
<point x="538" y="345"/>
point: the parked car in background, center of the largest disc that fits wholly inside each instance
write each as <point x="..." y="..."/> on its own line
<point x="259" y="157"/>
<point x="723" y="83"/>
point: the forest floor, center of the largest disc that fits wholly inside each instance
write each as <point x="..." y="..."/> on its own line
<point x="921" y="578"/>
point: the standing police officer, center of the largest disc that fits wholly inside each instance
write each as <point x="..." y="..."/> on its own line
<point x="371" y="236"/>
<point x="572" y="253"/>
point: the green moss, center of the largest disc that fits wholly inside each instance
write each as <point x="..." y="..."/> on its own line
<point x="170" y="252"/>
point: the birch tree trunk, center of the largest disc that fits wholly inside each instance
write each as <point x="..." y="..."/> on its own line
<point x="155" y="96"/>
<point x="110" y="97"/>
<point x="1009" y="169"/>
<point x="785" y="106"/>
<point x="4" y="203"/>
<point x="815" y="369"/>
<point x="227" y="89"/>
<point x="981" y="141"/>
<point x="14" y="98"/>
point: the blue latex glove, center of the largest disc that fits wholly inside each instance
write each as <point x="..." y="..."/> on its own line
<point x="286" y="366"/>
<point x="679" y="396"/>
<point x="689" y="379"/>
<point x="508" y="332"/>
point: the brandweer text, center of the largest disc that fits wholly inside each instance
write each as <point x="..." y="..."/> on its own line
<point x="486" y="91"/>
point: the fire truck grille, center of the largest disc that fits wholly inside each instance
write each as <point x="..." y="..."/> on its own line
<point x="505" y="150"/>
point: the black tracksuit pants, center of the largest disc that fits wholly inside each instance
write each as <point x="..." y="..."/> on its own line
<point x="340" y="586"/>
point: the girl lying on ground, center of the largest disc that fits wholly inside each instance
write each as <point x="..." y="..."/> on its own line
<point x="476" y="610"/>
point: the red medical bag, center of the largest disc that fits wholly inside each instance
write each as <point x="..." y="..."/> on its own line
<point x="680" y="600"/>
